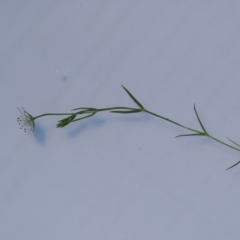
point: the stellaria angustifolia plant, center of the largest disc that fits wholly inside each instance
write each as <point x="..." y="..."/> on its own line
<point x="27" y="121"/>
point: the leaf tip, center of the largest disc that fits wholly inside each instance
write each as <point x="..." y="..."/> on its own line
<point x="233" y="165"/>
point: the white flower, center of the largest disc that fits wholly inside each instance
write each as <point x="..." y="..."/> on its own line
<point x="26" y="121"/>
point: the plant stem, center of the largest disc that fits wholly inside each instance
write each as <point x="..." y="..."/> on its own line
<point x="217" y="140"/>
<point x="127" y="110"/>
<point x="193" y="130"/>
<point x="169" y="120"/>
<point x="136" y="110"/>
<point x="51" y="114"/>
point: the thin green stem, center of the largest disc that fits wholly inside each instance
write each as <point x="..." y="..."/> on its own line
<point x="127" y="110"/>
<point x="217" y="140"/>
<point x="115" y="108"/>
<point x="51" y="114"/>
<point x="94" y="111"/>
<point x="171" y="121"/>
<point x="78" y="119"/>
<point x="87" y="110"/>
<point x="193" y="130"/>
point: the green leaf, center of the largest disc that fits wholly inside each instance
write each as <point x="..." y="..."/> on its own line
<point x="84" y="108"/>
<point x="133" y="111"/>
<point x="66" y="121"/>
<point x="189" y="135"/>
<point x="90" y="115"/>
<point x="199" y="120"/>
<point x="233" y="165"/>
<point x="133" y="98"/>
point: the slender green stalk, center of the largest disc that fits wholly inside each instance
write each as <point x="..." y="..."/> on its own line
<point x="193" y="130"/>
<point x="169" y="120"/>
<point x="86" y="112"/>
<point x="217" y="140"/>
<point x="51" y="114"/>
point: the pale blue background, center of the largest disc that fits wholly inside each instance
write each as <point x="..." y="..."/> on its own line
<point x="119" y="177"/>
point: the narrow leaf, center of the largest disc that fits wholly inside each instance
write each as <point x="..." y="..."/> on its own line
<point x="199" y="120"/>
<point x="84" y="108"/>
<point x="66" y="121"/>
<point x="133" y="111"/>
<point x="133" y="98"/>
<point x="233" y="165"/>
<point x="90" y="115"/>
<point x="189" y="135"/>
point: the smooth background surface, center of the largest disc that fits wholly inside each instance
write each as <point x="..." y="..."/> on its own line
<point x="119" y="177"/>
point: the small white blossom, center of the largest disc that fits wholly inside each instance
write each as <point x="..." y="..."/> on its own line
<point x="26" y="121"/>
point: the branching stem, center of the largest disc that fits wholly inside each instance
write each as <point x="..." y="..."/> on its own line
<point x="89" y="112"/>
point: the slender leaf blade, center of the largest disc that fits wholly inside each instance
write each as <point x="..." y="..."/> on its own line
<point x="189" y="135"/>
<point x="133" y="98"/>
<point x="133" y="111"/>
<point x="199" y="120"/>
<point x="84" y="108"/>
<point x="78" y="119"/>
<point x="233" y="165"/>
